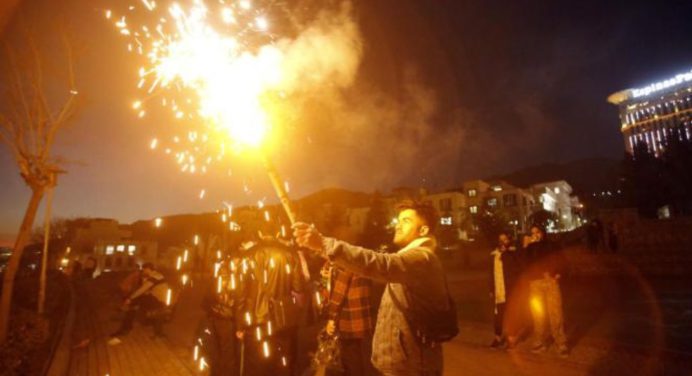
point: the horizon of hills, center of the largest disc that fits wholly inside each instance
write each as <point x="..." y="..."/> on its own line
<point x="584" y="175"/>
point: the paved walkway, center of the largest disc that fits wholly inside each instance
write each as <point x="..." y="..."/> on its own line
<point x="96" y="317"/>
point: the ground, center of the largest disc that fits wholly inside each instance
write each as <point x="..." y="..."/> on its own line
<point x="616" y="325"/>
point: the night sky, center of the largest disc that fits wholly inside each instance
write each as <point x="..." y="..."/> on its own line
<point x="446" y="90"/>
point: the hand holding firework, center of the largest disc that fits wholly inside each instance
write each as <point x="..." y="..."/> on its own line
<point x="307" y="236"/>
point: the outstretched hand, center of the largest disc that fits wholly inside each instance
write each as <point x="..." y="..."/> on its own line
<point x="307" y="236"/>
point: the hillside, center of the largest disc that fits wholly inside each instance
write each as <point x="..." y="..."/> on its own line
<point x="585" y="175"/>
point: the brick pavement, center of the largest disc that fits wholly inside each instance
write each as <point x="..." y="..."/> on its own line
<point x="96" y="317"/>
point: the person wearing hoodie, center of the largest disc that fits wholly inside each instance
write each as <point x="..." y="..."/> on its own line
<point x="503" y="275"/>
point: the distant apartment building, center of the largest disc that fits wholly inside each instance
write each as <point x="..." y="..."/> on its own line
<point x="515" y="203"/>
<point x="124" y="255"/>
<point x="556" y="197"/>
<point x="656" y="112"/>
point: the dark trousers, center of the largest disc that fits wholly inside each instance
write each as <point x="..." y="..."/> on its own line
<point x="281" y="355"/>
<point x="499" y="319"/>
<point x="144" y="303"/>
<point x="225" y="354"/>
<point x="355" y="356"/>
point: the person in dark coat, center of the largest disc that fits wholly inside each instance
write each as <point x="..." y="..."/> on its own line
<point x="503" y="275"/>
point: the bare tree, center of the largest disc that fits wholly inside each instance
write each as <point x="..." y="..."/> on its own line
<point x="35" y="110"/>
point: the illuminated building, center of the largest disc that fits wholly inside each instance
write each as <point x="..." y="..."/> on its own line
<point x="654" y="113"/>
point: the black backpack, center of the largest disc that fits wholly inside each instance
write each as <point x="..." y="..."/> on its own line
<point x="429" y="326"/>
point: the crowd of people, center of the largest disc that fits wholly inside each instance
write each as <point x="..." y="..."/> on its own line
<point x="263" y="299"/>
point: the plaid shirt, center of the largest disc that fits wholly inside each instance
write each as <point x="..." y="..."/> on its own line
<point x="349" y="304"/>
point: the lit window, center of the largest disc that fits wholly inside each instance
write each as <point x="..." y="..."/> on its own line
<point x="447" y="221"/>
<point x="109" y="249"/>
<point x="492" y="202"/>
<point x="131" y="249"/>
<point x="557" y="190"/>
<point x="120" y="248"/>
<point x="472" y="193"/>
<point x="496" y="188"/>
<point x="473" y="209"/>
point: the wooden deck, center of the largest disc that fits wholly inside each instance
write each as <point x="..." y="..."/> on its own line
<point x="96" y="317"/>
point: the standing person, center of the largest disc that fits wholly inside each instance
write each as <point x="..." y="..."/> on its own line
<point x="416" y="283"/>
<point x="349" y="315"/>
<point x="150" y="297"/>
<point x="503" y="273"/>
<point x="545" y="263"/>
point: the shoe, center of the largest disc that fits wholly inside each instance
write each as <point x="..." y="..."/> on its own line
<point x="538" y="348"/>
<point x="114" y="341"/>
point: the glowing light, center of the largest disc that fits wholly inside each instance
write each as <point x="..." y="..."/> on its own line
<point x="185" y="255"/>
<point x="202" y="193"/>
<point x="662" y="85"/>
<point x="318" y="298"/>
<point x="248" y="318"/>
<point x="196" y="240"/>
<point x="265" y="349"/>
<point x="217" y="266"/>
<point x="196" y="353"/>
<point x="158" y="222"/>
<point x="258" y="333"/>
<point x="178" y="263"/>
<point x="219" y="284"/>
<point x="184" y="279"/>
<point x="168" y="297"/>
<point x="153" y="144"/>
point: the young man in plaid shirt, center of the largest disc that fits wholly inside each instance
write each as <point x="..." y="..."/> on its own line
<point x="349" y="312"/>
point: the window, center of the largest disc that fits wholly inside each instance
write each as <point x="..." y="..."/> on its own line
<point x="472" y="193"/>
<point x="110" y="249"/>
<point x="557" y="190"/>
<point x="131" y="249"/>
<point x="492" y="202"/>
<point x="447" y="221"/>
<point x="496" y="188"/>
<point x="473" y="209"/>
<point x="509" y="200"/>
<point x="120" y="248"/>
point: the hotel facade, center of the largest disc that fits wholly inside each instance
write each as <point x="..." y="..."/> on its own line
<point x="654" y="113"/>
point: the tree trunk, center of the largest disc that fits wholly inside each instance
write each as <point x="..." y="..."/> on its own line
<point x="15" y="258"/>
<point x="44" y="256"/>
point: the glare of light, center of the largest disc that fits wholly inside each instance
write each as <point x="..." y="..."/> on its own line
<point x="178" y="263"/>
<point x="232" y="281"/>
<point x="258" y="333"/>
<point x="196" y="353"/>
<point x="272" y="264"/>
<point x="153" y="144"/>
<point x="265" y="349"/>
<point x="266" y="216"/>
<point x="227" y="16"/>
<point x="184" y="279"/>
<point x="185" y="255"/>
<point x="536" y="306"/>
<point x="284" y="362"/>
<point x="262" y="23"/>
<point x="269" y="328"/>
<point x="202" y="193"/>
<point x="219" y="284"/>
<point x="202" y="364"/>
<point x="108" y="14"/>
<point x="157" y="222"/>
<point x="248" y="318"/>
<point x="288" y="269"/>
<point x="196" y="240"/>
<point x="318" y="298"/>
<point x="245" y="4"/>
<point x="217" y="266"/>
<point x="68" y="250"/>
<point x="168" y="297"/>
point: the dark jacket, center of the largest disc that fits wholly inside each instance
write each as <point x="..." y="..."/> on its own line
<point x="543" y="257"/>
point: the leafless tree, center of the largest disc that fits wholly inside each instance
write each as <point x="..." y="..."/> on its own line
<point x="34" y="109"/>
